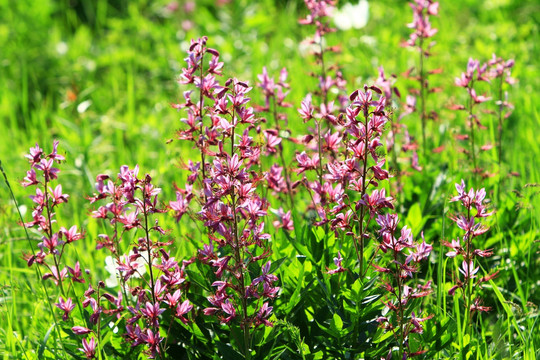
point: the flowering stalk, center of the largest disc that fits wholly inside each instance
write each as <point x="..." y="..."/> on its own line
<point x="232" y="211"/>
<point x="38" y="161"/>
<point x="274" y="99"/>
<point x="52" y="246"/>
<point x="388" y="88"/>
<point x="400" y="267"/>
<point x="500" y="69"/>
<point x="324" y="114"/>
<point x="463" y="247"/>
<point x="474" y="72"/>
<point x="422" y="10"/>
<point x="357" y="168"/>
<point x="204" y="78"/>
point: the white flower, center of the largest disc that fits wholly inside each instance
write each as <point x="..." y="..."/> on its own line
<point x="352" y="16"/>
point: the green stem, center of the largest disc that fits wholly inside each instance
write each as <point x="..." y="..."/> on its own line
<point x="471" y="120"/>
<point x="422" y="81"/>
<point x="201" y="104"/>
<point x="501" y="106"/>
<point x="280" y="150"/>
<point x="364" y="175"/>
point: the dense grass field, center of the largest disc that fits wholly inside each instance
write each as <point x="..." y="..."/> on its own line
<point x="100" y="77"/>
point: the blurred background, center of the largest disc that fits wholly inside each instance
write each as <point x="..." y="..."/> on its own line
<point x="99" y="75"/>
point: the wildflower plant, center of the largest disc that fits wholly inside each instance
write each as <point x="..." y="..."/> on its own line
<point x="398" y="133"/>
<point x="350" y="198"/>
<point x="400" y="317"/>
<point x="320" y="12"/>
<point x="234" y="243"/>
<point x="152" y="281"/>
<point x="464" y="249"/>
<point x="53" y="242"/>
<point x="51" y="249"/>
<point x="325" y="138"/>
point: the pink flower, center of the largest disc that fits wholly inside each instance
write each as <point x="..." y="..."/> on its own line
<point x="265" y="276"/>
<point x="30" y="178"/>
<point x="180" y="206"/>
<point x="89" y="348"/>
<point x="306" y="111"/>
<point x="66" y="306"/>
<point x="228" y="308"/>
<point x="306" y="163"/>
<point x="80" y="330"/>
<point x="72" y="234"/>
<point x="35" y="155"/>
<point x="263" y="315"/>
<point x="468" y="270"/>
<point x="339" y="267"/>
<point x="152" y="312"/>
<point x="182" y="310"/>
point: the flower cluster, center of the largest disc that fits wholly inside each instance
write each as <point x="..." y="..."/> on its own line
<point x="325" y="138"/>
<point x="400" y="267"/>
<point x="469" y="223"/>
<point x="320" y="15"/>
<point x="422" y="10"/>
<point x="151" y="280"/>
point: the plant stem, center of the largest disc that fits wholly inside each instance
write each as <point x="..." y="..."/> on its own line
<point x="500" y="120"/>
<point x="240" y="265"/>
<point x="323" y="71"/>
<point x="239" y="259"/>
<point x="320" y="172"/>
<point x="280" y="150"/>
<point x="364" y="175"/>
<point x="49" y="233"/>
<point x="161" y="352"/>
<point x="422" y="81"/>
<point x="400" y="307"/>
<point x="471" y="120"/>
<point x="201" y="104"/>
<point x="468" y="283"/>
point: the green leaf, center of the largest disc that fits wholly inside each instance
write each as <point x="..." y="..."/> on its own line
<point x="44" y="342"/>
<point x="337" y="323"/>
<point x="228" y="352"/>
<point x="415" y="219"/>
